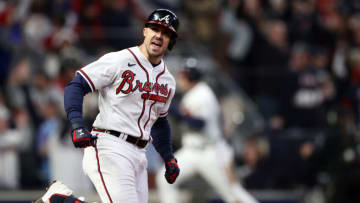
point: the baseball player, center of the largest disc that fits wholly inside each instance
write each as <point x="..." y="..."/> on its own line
<point x="135" y="91"/>
<point x="204" y="151"/>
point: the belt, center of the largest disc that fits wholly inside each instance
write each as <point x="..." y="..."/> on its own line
<point x="128" y="138"/>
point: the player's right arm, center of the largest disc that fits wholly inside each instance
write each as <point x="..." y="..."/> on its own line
<point x="73" y="102"/>
<point x="90" y="78"/>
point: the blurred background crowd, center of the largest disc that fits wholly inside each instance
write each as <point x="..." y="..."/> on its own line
<point x="287" y="74"/>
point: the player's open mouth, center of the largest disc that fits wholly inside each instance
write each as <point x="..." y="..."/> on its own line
<point x="156" y="44"/>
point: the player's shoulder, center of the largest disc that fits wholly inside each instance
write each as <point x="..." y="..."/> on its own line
<point x="121" y="55"/>
<point x="202" y="90"/>
<point x="117" y="55"/>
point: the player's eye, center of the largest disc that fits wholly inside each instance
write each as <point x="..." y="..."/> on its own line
<point x="167" y="33"/>
<point x="155" y="29"/>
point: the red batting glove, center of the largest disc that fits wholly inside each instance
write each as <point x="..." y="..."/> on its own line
<point x="172" y="170"/>
<point x="81" y="137"/>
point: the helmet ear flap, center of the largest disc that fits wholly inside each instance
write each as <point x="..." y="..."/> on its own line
<point x="172" y="43"/>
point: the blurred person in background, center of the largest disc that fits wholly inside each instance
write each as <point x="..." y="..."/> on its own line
<point x="66" y="72"/>
<point x="291" y="160"/>
<point x="279" y="161"/>
<point x="107" y="23"/>
<point x="269" y="57"/>
<point x="204" y="36"/>
<point x="309" y="88"/>
<point x="28" y="92"/>
<point x="47" y="129"/>
<point x="22" y="122"/>
<point x="337" y="163"/>
<point x="346" y="67"/>
<point x="12" y="16"/>
<point x="203" y="17"/>
<point x="254" y="163"/>
<point x="259" y="69"/>
<point x="117" y="18"/>
<point x="26" y="116"/>
<point x="204" y="150"/>
<point x="57" y="153"/>
<point x="12" y="141"/>
<point x="17" y="81"/>
<point x="350" y="97"/>
<point x="239" y="32"/>
<point x="36" y="29"/>
<point x="43" y="89"/>
<point x="29" y="88"/>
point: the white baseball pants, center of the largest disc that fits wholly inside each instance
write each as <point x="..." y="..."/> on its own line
<point x="117" y="169"/>
<point x="191" y="161"/>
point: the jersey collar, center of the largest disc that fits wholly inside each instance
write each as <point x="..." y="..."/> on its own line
<point x="145" y="61"/>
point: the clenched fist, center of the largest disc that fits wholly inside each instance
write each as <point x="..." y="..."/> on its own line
<point x="172" y="170"/>
<point x="81" y="137"/>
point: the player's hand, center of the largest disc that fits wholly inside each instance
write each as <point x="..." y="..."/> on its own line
<point x="81" y="137"/>
<point x="172" y="170"/>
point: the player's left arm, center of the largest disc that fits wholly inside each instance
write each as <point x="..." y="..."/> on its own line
<point x="161" y="134"/>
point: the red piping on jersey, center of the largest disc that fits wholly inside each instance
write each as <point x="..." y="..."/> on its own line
<point x="157" y="78"/>
<point x="149" y="114"/>
<point x="88" y="78"/>
<point x="144" y="103"/>
<point x="101" y="176"/>
<point x="162" y="114"/>
<point x="137" y="60"/>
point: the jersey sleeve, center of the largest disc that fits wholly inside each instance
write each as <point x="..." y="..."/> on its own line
<point x="101" y="72"/>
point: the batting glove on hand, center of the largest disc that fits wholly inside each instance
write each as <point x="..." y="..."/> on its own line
<point x="81" y="137"/>
<point x="172" y="170"/>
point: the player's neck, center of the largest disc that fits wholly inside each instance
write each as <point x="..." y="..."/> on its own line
<point x="153" y="60"/>
<point x="192" y="85"/>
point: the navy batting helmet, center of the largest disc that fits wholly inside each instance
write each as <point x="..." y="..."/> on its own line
<point x="192" y="70"/>
<point x="167" y="19"/>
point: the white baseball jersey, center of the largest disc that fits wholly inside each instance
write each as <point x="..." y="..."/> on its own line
<point x="199" y="149"/>
<point x="201" y="102"/>
<point x="132" y="93"/>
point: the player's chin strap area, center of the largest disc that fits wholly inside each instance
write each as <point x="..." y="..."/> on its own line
<point x="128" y="138"/>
